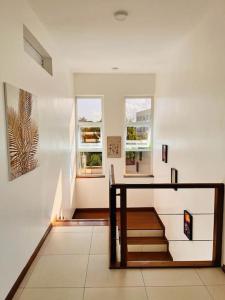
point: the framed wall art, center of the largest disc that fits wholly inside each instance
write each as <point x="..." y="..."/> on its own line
<point x="114" y="146"/>
<point x="188" y="225"/>
<point x="22" y="131"/>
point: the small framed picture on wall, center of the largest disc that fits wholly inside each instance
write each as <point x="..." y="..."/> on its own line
<point x="174" y="176"/>
<point x="113" y="146"/>
<point x="188" y="225"/>
<point x="165" y="153"/>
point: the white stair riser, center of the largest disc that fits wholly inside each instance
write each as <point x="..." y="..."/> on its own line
<point x="144" y="233"/>
<point x="148" y="248"/>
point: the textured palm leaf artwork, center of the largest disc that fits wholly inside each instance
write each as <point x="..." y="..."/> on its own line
<point x="22" y="131"/>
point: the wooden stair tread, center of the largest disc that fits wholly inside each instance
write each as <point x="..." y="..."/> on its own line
<point x="143" y="220"/>
<point x="149" y="256"/>
<point x="146" y="240"/>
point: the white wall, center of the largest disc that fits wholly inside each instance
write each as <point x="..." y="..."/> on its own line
<point x="190" y="118"/>
<point x="114" y="88"/>
<point x="26" y="204"/>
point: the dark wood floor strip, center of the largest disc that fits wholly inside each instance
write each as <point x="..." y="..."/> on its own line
<point x="82" y="222"/>
<point x="28" y="265"/>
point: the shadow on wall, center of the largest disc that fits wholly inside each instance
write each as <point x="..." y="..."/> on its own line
<point x="65" y="183"/>
<point x="57" y="204"/>
<point x="72" y="139"/>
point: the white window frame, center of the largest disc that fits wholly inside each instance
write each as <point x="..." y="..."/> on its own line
<point x="92" y="147"/>
<point x="148" y="124"/>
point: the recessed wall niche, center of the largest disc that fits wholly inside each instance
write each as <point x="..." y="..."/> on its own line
<point x="165" y="153"/>
<point x="35" y="50"/>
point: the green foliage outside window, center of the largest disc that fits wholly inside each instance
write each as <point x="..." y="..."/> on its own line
<point x="133" y="134"/>
<point x="130" y="157"/>
<point x="94" y="159"/>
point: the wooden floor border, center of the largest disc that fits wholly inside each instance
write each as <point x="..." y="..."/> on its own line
<point x="106" y="210"/>
<point x="163" y="264"/>
<point x="223" y="268"/>
<point x="82" y="222"/>
<point x="19" y="280"/>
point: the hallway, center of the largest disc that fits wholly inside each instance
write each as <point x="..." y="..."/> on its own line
<point x="73" y="264"/>
<point x="87" y="85"/>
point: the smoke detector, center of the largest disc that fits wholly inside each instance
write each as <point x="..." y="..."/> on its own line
<point x="121" y="15"/>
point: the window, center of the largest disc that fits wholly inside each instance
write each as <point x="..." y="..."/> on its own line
<point x="138" y="135"/>
<point x="89" y="144"/>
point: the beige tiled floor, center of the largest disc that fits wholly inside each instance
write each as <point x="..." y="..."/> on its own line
<point x="67" y="243"/>
<point x="99" y="243"/>
<point x="73" y="265"/>
<point x="99" y="275"/>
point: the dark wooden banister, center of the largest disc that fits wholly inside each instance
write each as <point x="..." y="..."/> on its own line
<point x="111" y="175"/>
<point x="218" y="217"/>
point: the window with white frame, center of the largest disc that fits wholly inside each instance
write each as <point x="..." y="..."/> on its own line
<point x="138" y="145"/>
<point x="90" y="133"/>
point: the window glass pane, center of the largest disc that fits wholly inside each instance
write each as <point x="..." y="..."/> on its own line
<point x="90" y="163"/>
<point x="138" y="135"/>
<point x="90" y="135"/>
<point x="89" y="109"/>
<point x="138" y="162"/>
<point x="138" y="109"/>
<point x="138" y="138"/>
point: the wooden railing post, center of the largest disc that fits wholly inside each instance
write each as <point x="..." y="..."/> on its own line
<point x="112" y="225"/>
<point x="123" y="227"/>
<point x="218" y="225"/>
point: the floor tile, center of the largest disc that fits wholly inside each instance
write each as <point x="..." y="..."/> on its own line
<point x="217" y="292"/>
<point x="171" y="277"/>
<point x="100" y="243"/>
<point x="67" y="243"/>
<point x="72" y="229"/>
<point x="178" y="293"/>
<point x="132" y="293"/>
<point x="105" y="229"/>
<point x="59" y="271"/>
<point x="52" y="294"/>
<point x="211" y="276"/>
<point x="99" y="275"/>
<point x="101" y="229"/>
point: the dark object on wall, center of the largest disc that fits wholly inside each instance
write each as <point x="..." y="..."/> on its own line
<point x="174" y="176"/>
<point x="165" y="153"/>
<point x="188" y="224"/>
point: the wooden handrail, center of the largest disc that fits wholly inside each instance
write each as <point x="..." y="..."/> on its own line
<point x="167" y="185"/>
<point x="123" y="187"/>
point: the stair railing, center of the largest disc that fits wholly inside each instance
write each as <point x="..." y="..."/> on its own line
<point x="114" y="262"/>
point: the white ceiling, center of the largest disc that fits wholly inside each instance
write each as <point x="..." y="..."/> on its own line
<point x="93" y="42"/>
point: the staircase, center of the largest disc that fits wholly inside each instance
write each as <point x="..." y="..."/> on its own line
<point x="146" y="239"/>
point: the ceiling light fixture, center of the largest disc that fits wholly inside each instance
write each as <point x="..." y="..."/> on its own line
<point x="115" y="68"/>
<point x="121" y="15"/>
